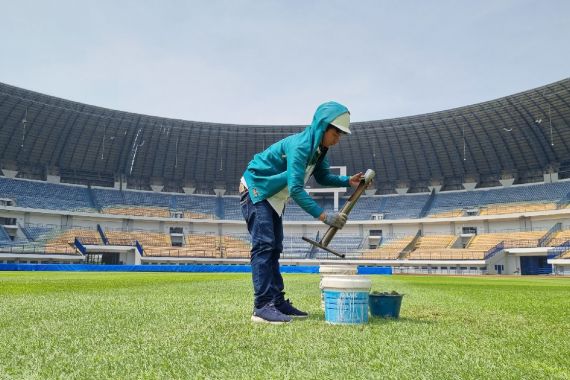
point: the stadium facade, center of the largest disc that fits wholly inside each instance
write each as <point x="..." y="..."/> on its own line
<point x="477" y="189"/>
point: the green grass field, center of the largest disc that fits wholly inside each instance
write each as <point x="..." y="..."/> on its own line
<point x="169" y="325"/>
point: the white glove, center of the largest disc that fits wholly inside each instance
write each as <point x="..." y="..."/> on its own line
<point x="337" y="219"/>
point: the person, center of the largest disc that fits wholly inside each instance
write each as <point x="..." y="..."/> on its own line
<point x="271" y="177"/>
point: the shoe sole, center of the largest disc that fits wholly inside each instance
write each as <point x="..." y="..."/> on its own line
<point x="261" y="320"/>
<point x="299" y="316"/>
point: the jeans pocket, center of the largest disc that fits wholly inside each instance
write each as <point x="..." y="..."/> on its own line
<point x="245" y="204"/>
<point x="243" y="198"/>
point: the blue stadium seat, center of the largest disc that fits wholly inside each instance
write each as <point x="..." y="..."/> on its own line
<point x="549" y="192"/>
<point x="232" y="208"/>
<point x="38" y="233"/>
<point x="4" y="237"/>
<point x="43" y="195"/>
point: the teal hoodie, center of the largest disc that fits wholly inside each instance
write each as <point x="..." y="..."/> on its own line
<point x="284" y="163"/>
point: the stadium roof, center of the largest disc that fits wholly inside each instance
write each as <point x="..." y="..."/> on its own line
<point x="522" y="135"/>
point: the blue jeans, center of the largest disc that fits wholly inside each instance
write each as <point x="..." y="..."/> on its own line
<point x="266" y="229"/>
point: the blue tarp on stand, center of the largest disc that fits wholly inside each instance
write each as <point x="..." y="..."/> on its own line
<point x="147" y="268"/>
<point x="124" y="268"/>
<point x="173" y="268"/>
<point x="374" y="270"/>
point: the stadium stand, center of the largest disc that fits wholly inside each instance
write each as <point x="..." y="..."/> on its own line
<point x="132" y="203"/>
<point x="37" y="233"/>
<point x="344" y="243"/>
<point x="196" y="206"/>
<point x="232" y="208"/>
<point x="208" y="245"/>
<point x="137" y="211"/>
<point x="4" y="236"/>
<point x="42" y="195"/>
<point x="527" y="198"/>
<point x="438" y="247"/>
<point x="54" y="235"/>
<point x="404" y="206"/>
<point x="485" y="242"/>
<point x="434" y="242"/>
<point x="236" y="246"/>
<point x="515" y="199"/>
<point x="513" y="208"/>
<point x="52" y="240"/>
<point x="559" y="237"/>
<point x="294" y="247"/>
<point x="447" y="254"/>
<point x="182" y="153"/>
<point x="367" y="206"/>
<point x="155" y="204"/>
<point x="442" y="164"/>
<point x="433" y="247"/>
<point x="390" y="248"/>
<point x="294" y="213"/>
<point x="67" y="237"/>
<point x="196" y="245"/>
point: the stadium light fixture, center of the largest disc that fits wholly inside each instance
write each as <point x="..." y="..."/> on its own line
<point x="103" y="143"/>
<point x="464" y="145"/>
<point x="176" y="154"/>
<point x="111" y="138"/>
<point x="221" y="158"/>
<point x="24" y="122"/>
<point x="550" y="123"/>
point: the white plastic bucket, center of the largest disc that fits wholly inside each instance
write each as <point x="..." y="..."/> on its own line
<point x="334" y="270"/>
<point x="346" y="299"/>
<point x="337" y="269"/>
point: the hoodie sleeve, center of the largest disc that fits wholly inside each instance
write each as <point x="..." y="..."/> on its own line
<point x="296" y="165"/>
<point x="324" y="176"/>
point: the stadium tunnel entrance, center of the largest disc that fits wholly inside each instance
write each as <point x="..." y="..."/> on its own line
<point x="535" y="265"/>
<point x="111" y="255"/>
<point x="104" y="258"/>
<point x="523" y="261"/>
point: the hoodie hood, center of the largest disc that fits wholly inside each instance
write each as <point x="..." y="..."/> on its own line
<point x="324" y="115"/>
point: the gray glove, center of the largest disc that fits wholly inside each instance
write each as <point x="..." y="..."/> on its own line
<point x="337" y="219"/>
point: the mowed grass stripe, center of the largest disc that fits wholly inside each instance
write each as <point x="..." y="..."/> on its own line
<point x="173" y="325"/>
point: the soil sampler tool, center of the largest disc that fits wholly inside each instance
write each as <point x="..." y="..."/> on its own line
<point x="348" y="206"/>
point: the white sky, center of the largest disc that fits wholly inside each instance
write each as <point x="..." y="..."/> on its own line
<point x="274" y="62"/>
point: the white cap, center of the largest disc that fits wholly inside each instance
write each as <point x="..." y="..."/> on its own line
<point x="342" y="122"/>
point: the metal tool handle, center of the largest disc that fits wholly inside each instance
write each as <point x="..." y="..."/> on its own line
<point x="348" y="206"/>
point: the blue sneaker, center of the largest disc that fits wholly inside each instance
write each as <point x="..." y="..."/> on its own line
<point x="269" y="314"/>
<point x="287" y="308"/>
